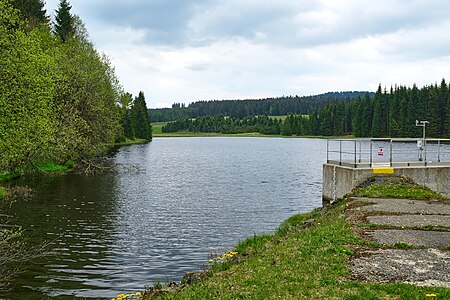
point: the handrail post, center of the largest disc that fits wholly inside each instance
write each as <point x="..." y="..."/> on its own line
<point x="370" y="159"/>
<point x="328" y="160"/>
<point x="390" y="154"/>
<point x="340" y="152"/>
<point x="359" y="151"/>
<point x="425" y="150"/>
<point x="439" y="150"/>
<point x="354" y="142"/>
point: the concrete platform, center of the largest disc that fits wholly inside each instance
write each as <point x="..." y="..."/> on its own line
<point x="406" y="206"/>
<point x="429" y="267"/>
<point x="411" y="220"/>
<point x="418" y="238"/>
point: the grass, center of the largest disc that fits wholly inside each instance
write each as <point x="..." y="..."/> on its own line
<point x="298" y="262"/>
<point x="212" y="134"/>
<point x="131" y="142"/>
<point x="2" y="192"/>
<point x="395" y="187"/>
<point x="157" y="127"/>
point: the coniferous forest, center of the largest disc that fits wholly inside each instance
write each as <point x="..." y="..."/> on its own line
<point x="280" y="106"/>
<point x="50" y="110"/>
<point x="389" y="113"/>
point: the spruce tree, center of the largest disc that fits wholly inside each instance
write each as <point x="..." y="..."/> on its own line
<point x="140" y="118"/>
<point x="64" y="21"/>
<point x="32" y="11"/>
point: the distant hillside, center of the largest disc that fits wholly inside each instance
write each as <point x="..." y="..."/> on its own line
<point x="253" y="107"/>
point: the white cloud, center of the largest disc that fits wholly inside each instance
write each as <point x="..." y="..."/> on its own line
<point x="183" y="51"/>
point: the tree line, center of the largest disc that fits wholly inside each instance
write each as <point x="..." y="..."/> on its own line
<point x="222" y="124"/>
<point x="59" y="97"/>
<point x="385" y="114"/>
<point x="242" y="108"/>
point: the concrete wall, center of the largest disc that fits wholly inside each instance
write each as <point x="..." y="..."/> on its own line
<point x="339" y="180"/>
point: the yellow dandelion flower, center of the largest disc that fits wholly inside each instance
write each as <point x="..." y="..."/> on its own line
<point x="138" y="293"/>
<point x="210" y="261"/>
<point x="431" y="295"/>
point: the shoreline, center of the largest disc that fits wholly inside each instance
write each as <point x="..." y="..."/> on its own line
<point x="307" y="257"/>
<point x="250" y="134"/>
<point x="45" y="169"/>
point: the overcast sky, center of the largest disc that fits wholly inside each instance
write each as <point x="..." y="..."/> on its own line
<point x="189" y="50"/>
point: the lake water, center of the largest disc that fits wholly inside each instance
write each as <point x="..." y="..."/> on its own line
<point x="161" y="210"/>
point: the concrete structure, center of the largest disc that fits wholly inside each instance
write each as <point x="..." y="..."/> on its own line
<point x="340" y="180"/>
<point x="351" y="161"/>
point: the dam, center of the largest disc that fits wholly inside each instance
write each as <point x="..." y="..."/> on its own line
<point x="351" y="161"/>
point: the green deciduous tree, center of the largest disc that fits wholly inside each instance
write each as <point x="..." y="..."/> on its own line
<point x="27" y="89"/>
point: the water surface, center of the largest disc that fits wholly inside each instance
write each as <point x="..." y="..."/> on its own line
<point x="161" y="210"/>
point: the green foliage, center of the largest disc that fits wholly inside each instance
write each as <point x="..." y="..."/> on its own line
<point x="385" y="114"/>
<point x="58" y="101"/>
<point x="280" y="106"/>
<point x="2" y="192"/>
<point x="221" y="124"/>
<point x="135" y="118"/>
<point x="27" y="90"/>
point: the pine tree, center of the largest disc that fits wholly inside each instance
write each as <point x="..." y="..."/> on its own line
<point x="64" y="21"/>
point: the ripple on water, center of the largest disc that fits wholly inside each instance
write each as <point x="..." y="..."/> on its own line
<point x="162" y="210"/>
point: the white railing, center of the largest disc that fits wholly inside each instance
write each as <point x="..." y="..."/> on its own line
<point x="385" y="152"/>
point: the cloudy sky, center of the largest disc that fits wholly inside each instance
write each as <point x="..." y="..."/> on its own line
<point x="189" y="50"/>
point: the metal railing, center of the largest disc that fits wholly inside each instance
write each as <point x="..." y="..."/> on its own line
<point x="384" y="152"/>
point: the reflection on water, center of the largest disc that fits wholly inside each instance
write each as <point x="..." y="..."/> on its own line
<point x="161" y="210"/>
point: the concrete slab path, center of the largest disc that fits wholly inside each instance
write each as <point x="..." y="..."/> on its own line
<point x="413" y="224"/>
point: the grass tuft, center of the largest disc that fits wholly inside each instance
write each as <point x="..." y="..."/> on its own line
<point x="394" y="187"/>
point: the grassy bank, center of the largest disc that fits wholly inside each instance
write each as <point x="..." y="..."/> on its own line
<point x="306" y="258"/>
<point x="247" y="134"/>
<point x="212" y="134"/>
<point x="130" y="142"/>
<point x="52" y="168"/>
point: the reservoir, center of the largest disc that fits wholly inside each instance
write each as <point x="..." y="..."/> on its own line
<point x="160" y="210"/>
